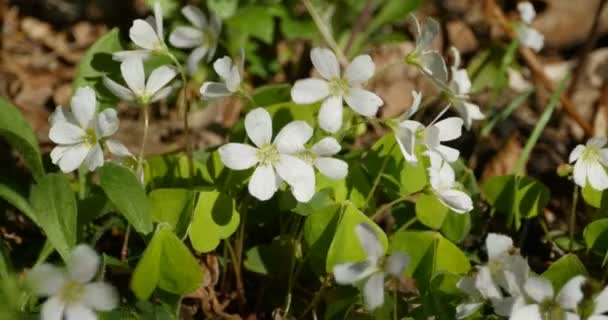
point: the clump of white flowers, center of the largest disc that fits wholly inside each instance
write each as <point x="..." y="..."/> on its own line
<point x="590" y="161"/>
<point x="148" y="35"/>
<point x="528" y="36"/>
<point x="458" y="92"/>
<point x="335" y="88"/>
<point x="80" y="134"/>
<point x="443" y="183"/>
<point x="370" y="273"/>
<point x="72" y="295"/>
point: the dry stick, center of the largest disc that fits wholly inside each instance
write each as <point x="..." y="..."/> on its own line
<point x="360" y="24"/>
<point x="589" y="44"/>
<point x="536" y="67"/>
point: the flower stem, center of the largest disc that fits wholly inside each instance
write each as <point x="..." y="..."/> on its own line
<point x="370" y="194"/>
<point x="325" y="32"/>
<point x="125" y="244"/>
<point x="144" y="139"/>
<point x="390" y="205"/>
<point x="572" y="224"/>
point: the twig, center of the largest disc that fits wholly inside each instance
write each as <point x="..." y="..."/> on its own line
<point x="536" y="66"/>
<point x="125" y="245"/>
<point x="589" y="44"/>
<point x="360" y="24"/>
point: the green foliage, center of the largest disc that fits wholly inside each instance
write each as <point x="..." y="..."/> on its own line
<point x="173" y="207"/>
<point x="19" y="134"/>
<point x="55" y="207"/>
<point x="168" y="264"/>
<point x="564" y="269"/>
<point x="215" y="218"/>
<point x="596" y="237"/>
<point x="126" y="192"/>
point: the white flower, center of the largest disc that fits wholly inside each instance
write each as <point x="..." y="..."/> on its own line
<point x="79" y="133"/>
<point x="444" y="185"/>
<point x="370" y="272"/>
<point x="229" y="73"/>
<point x="412" y="133"/>
<point x="320" y="154"/>
<point x="72" y="295"/>
<point x="424" y="56"/>
<point x="334" y="88"/>
<point x="139" y="90"/>
<point x="148" y="35"/>
<point x="600" y="306"/>
<point x="460" y="87"/>
<point x="528" y="36"/>
<point x="562" y="306"/>
<point x="203" y="36"/>
<point x="590" y="161"/>
<point x="274" y="160"/>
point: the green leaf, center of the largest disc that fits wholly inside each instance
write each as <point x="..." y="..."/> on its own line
<point x="319" y="230"/>
<point x="595" y="198"/>
<point x="55" y="206"/>
<point x="168" y="264"/>
<point x="271" y="94"/>
<point x="215" y="218"/>
<point x="564" y="269"/>
<point x="430" y="211"/>
<point x="456" y="226"/>
<point x="240" y="26"/>
<point x="172" y="206"/>
<point x="20" y="136"/>
<point x="96" y="63"/>
<point x="345" y="247"/>
<point x="320" y="200"/>
<point x="596" y="237"/>
<point x="430" y="254"/>
<point x="126" y="192"/>
<point x="168" y="7"/>
<point x="270" y="259"/>
<point x="223" y="8"/>
<point x="9" y="193"/>
<point x="518" y="197"/>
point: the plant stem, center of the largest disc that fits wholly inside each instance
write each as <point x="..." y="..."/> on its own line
<point x="395" y="311"/>
<point x="144" y="139"/>
<point x="390" y="205"/>
<point x="370" y="194"/>
<point x="237" y="272"/>
<point x="125" y="250"/>
<point x="184" y="107"/>
<point x="572" y="224"/>
<point x="325" y="32"/>
<point x="82" y="183"/>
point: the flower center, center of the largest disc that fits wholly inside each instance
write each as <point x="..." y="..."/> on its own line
<point x="208" y="38"/>
<point x="90" y="137"/>
<point x="551" y="310"/>
<point x="590" y="154"/>
<point x="338" y="87"/>
<point x="268" y="155"/>
<point x="71" y="292"/>
<point x="307" y="156"/>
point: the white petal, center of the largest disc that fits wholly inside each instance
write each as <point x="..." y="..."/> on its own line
<point x="238" y="156"/>
<point x="598" y="317"/>
<point x="469" y="112"/>
<point x="596" y="142"/>
<point x="100" y="296"/>
<point x="298" y="174"/>
<point x="94" y="158"/>
<point x="325" y="62"/>
<point x="530" y="37"/>
<point x="456" y="200"/>
<point x="349" y="273"/>
<point x="293" y="136"/>
<point x="258" y="126"/>
<point x="529" y="312"/>
<point x="83" y="263"/>
<point x="406" y="139"/>
<point x="498" y="245"/>
<point x="73" y="157"/>
<point x="601" y="302"/>
<point x="330" y="114"/>
<point x="449" y="128"/>
<point x="579" y="173"/>
<point x="52" y="309"/>
<point x="332" y="168"/>
<point x="61" y="115"/>
<point x="466" y="309"/>
<point x="539" y="289"/>
<point x="186" y="37"/>
<point x="223" y="67"/>
<point x="46" y="279"/>
<point x="263" y="183"/>
<point x="79" y="312"/>
<point x="107" y="122"/>
<point x="118" y="149"/>
<point x="84" y="106"/>
<point x="143" y="35"/>
<point x="526" y="11"/>
<point x="131" y="54"/>
<point x="373" y="291"/>
<point x="571" y="294"/>
<point x="159" y="78"/>
<point x="416" y="99"/>
<point x="604" y="157"/>
<point x="486" y="285"/>
<point x="505" y="306"/>
<point x="118" y="90"/>
<point x="369" y="241"/>
<point x="194" y="59"/>
<point x="233" y="80"/>
<point x="449" y="154"/>
<point x="466" y="284"/>
<point x="158" y="18"/>
<point x="396" y="263"/>
<point x="364" y="102"/>
<point x="212" y="90"/>
<point x="309" y="91"/>
<point x="161" y="94"/>
<point x="327" y="146"/>
<point x="598" y="178"/>
<point x="461" y="79"/>
<point x="195" y="16"/>
<point x="360" y="69"/>
<point x="66" y="133"/>
<point x="429" y="31"/>
<point x="431" y="137"/>
<point x="433" y="65"/>
<point x="576" y="153"/>
<point x="571" y="316"/>
<point x="133" y="72"/>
